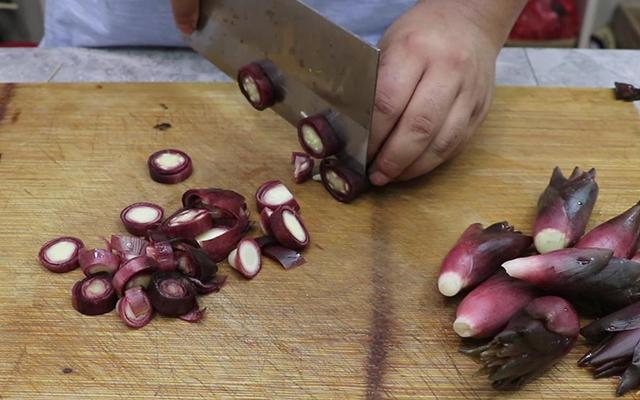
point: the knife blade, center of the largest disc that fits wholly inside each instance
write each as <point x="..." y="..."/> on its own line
<point x="323" y="68"/>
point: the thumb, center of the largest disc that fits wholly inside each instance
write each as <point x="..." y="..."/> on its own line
<point x="185" y="13"/>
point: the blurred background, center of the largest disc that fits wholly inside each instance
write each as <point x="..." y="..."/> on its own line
<point x="544" y="23"/>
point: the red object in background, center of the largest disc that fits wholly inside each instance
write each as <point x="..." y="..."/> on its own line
<point x="18" y="44"/>
<point x="547" y="20"/>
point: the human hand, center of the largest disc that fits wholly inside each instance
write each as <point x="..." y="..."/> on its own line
<point x="435" y="84"/>
<point x="186" y="13"/>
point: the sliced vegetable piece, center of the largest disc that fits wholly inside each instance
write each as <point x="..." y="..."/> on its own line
<point x="617" y="347"/>
<point x="564" y="209"/>
<point x="196" y="263"/>
<point x="273" y="194"/>
<point x="94" y="295"/>
<point x="221" y="203"/>
<point x="288" y="229"/>
<point x="188" y="223"/>
<point x="535" y="339"/>
<point x="246" y="258"/>
<point x="140" y="218"/>
<point x="170" y="166"/>
<point x="478" y="253"/>
<point x="265" y="217"/>
<point x="171" y="294"/>
<point x="631" y="377"/>
<point x="134" y="308"/>
<point x="619" y="234"/>
<point x="128" y="247"/>
<point x="135" y="272"/>
<point x="95" y="261"/>
<point x="488" y="307"/>
<point x="256" y="86"/>
<point x="60" y="255"/>
<point x="344" y="184"/>
<point x="162" y="253"/>
<point x="194" y="316"/>
<point x="317" y="137"/>
<point x="212" y="286"/>
<point x="302" y="167"/>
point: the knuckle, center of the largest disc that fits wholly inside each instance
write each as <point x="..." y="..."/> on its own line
<point x="444" y="146"/>
<point x="384" y="103"/>
<point x="458" y="58"/>
<point x="414" y="41"/>
<point x="389" y="167"/>
<point x="423" y="128"/>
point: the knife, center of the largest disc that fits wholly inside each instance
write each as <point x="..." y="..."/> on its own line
<point x="323" y="68"/>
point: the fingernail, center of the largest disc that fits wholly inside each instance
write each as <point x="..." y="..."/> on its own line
<point x="379" y="179"/>
<point x="186" y="29"/>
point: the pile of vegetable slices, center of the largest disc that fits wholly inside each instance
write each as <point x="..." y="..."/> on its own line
<point x="523" y="295"/>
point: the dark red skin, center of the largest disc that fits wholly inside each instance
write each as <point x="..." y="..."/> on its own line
<point x="162" y="253"/>
<point x="137" y="299"/>
<point x="627" y="318"/>
<point x="493" y="303"/>
<point x="303" y="167"/>
<point x="70" y="264"/>
<point x="221" y="203"/>
<point x="479" y="252"/>
<point x="534" y="339"/>
<point x="265" y="216"/>
<point x="220" y="247"/>
<point x="179" y="174"/>
<point x="133" y="268"/>
<point x="282" y="234"/>
<point x="619" y="234"/>
<point x="127" y="247"/>
<point x="330" y="143"/>
<point x="212" y="286"/>
<point x="266" y="88"/>
<point x="358" y="184"/>
<point x="194" y="316"/>
<point x="264" y="188"/>
<point x="136" y="228"/>
<point x="169" y="304"/>
<point x="91" y="258"/>
<point x="566" y="204"/>
<point x="189" y="229"/>
<point x="287" y="258"/>
<point x="90" y="305"/>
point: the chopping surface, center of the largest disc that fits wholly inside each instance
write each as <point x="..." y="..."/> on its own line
<point x="362" y="319"/>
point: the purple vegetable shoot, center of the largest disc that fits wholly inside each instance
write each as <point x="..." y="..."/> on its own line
<point x="256" y="86"/>
<point x="477" y="254"/>
<point x="626" y="92"/>
<point x="247" y="258"/>
<point x="534" y="339"/>
<point x="303" y="165"/>
<point x="627" y="318"/>
<point x="95" y="261"/>
<point x="171" y="294"/>
<point x="564" y="209"/>
<point x="619" y="234"/>
<point x="344" y="184"/>
<point x="188" y="223"/>
<point x="135" y="272"/>
<point x="273" y="194"/>
<point x="488" y="307"/>
<point x="134" y="308"/>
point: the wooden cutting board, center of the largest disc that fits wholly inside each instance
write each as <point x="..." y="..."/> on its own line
<point x="362" y="319"/>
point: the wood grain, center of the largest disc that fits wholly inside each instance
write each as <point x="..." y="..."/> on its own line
<point x="361" y="320"/>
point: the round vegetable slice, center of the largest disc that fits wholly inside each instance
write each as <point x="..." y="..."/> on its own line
<point x="135" y="272"/>
<point x="246" y="258"/>
<point x="61" y="254"/>
<point x="288" y="228"/>
<point x="170" y="166"/>
<point x="94" y="295"/>
<point x="162" y="253"/>
<point x="256" y="86"/>
<point x="134" y="308"/>
<point x="171" y="294"/>
<point x="188" y="223"/>
<point x="140" y="218"/>
<point x="95" y="261"/>
<point x="344" y="184"/>
<point x="273" y="194"/>
<point x="317" y="137"/>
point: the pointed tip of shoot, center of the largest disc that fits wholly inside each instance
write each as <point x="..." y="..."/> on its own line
<point x="463" y="327"/>
<point x="520" y="267"/>
<point x="550" y="239"/>
<point x="449" y="284"/>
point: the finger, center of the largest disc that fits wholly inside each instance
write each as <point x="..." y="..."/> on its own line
<point x="185" y="13"/>
<point x="455" y="132"/>
<point x="399" y="72"/>
<point x="421" y="121"/>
